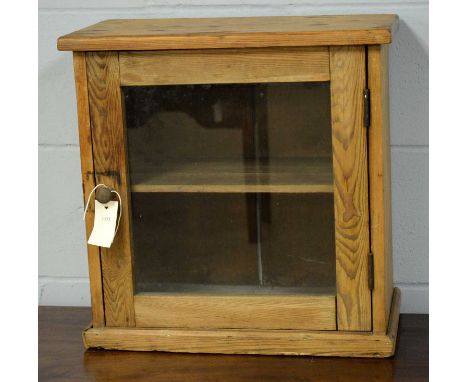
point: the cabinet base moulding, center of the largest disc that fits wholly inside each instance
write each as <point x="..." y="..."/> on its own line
<point x="241" y="341"/>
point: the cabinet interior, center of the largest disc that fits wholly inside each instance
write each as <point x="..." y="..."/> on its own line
<point x="232" y="188"/>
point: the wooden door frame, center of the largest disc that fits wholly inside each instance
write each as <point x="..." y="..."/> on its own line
<point x="110" y="168"/>
<point x="346" y="68"/>
<point x="350" y="170"/>
<point x="88" y="183"/>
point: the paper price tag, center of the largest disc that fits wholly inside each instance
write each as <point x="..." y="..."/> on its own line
<point x="105" y="219"/>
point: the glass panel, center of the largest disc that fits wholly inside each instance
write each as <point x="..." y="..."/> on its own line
<point x="298" y="242"/>
<point x="184" y="239"/>
<point x="231" y="187"/>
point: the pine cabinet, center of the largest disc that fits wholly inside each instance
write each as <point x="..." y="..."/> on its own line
<point x="251" y="156"/>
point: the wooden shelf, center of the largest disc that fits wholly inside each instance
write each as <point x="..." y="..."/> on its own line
<point x="279" y="175"/>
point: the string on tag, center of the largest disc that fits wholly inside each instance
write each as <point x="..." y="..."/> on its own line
<point x="112" y="191"/>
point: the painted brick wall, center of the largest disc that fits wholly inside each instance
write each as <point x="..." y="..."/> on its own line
<point x="62" y="256"/>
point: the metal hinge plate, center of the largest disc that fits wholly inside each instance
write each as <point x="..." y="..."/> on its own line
<point x="367" y="108"/>
<point x="370" y="270"/>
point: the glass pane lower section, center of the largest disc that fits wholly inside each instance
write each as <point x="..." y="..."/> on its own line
<point x="191" y="238"/>
<point x="233" y="243"/>
<point x="232" y="188"/>
<point x="298" y="241"/>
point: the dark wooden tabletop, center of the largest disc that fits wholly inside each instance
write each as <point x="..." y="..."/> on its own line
<point x="63" y="358"/>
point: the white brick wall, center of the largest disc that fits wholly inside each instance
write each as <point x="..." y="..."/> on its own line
<point x="62" y="252"/>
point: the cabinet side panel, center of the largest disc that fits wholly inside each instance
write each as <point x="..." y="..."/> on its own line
<point x="87" y="173"/>
<point x="110" y="165"/>
<point x="380" y="186"/>
<point x="349" y="142"/>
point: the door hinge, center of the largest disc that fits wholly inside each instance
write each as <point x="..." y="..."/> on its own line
<point x="370" y="270"/>
<point x="366" y="108"/>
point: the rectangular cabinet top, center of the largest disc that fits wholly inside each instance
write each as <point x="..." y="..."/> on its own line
<point x="235" y="32"/>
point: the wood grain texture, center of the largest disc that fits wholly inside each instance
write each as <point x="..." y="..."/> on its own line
<point x="224" y="66"/>
<point x="394" y="315"/>
<point x="380" y="186"/>
<point x="301" y="175"/>
<point x="237" y="32"/>
<point x="240" y="312"/>
<point x="87" y="173"/>
<point x="347" y="68"/>
<point x="286" y="342"/>
<point x="109" y="148"/>
<point x="241" y="341"/>
<point x="58" y="334"/>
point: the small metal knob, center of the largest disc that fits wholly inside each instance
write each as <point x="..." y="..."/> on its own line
<point x="103" y="194"/>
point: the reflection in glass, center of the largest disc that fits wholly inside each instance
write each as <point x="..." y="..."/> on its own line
<point x="231" y="187"/>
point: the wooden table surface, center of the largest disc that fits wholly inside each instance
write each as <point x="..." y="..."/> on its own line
<point x="63" y="358"/>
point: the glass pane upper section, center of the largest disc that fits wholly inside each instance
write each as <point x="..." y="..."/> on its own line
<point x="253" y="137"/>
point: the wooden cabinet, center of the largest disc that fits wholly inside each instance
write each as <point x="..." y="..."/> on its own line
<point x="252" y="160"/>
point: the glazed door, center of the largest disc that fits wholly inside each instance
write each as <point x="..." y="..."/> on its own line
<point x="243" y="176"/>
